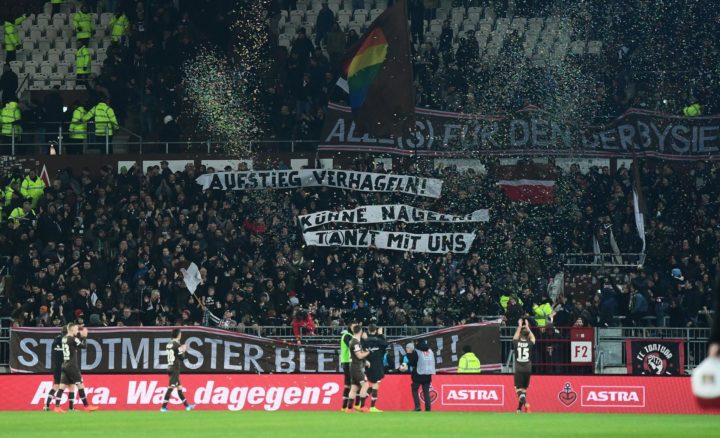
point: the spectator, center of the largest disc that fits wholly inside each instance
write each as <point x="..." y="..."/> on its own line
<point x="323" y="23"/>
<point x="303" y="325"/>
<point x="335" y="45"/>
<point x="8" y="84"/>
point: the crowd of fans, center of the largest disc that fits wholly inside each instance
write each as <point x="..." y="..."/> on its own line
<point x="108" y="249"/>
<point x="639" y="66"/>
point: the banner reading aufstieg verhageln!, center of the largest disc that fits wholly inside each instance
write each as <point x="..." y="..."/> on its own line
<point x="341" y="179"/>
<point x="323" y="392"/>
<point x="210" y="350"/>
<point x="533" y="132"/>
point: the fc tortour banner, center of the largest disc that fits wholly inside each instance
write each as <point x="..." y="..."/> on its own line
<point x="373" y="214"/>
<point x="655" y="357"/>
<point x="532" y="132"/>
<point x="438" y="243"/>
<point x="209" y="350"/>
<point x="341" y="179"/>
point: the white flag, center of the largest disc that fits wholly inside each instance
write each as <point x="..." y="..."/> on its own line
<point x="191" y="277"/>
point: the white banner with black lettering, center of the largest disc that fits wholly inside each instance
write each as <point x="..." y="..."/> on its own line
<point x="430" y="243"/>
<point x="341" y="179"/>
<point x="373" y="214"/>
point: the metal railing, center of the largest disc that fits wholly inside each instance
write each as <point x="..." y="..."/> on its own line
<point x="57" y="136"/>
<point x="610" y="343"/>
<point x="607" y="260"/>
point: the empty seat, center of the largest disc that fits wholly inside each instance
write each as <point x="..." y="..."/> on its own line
<point x="458" y="15"/>
<point x="35" y="33"/>
<point x="53" y="56"/>
<point x="60" y="20"/>
<point x="28" y="45"/>
<point x="105" y="19"/>
<point x="63" y="68"/>
<point x="296" y="17"/>
<point x="43" y="46"/>
<point x="42" y="20"/>
<point x="594" y="47"/>
<point x="51" y="34"/>
<point x="577" y="47"/>
<point x="60" y="44"/>
<point x="46" y="69"/>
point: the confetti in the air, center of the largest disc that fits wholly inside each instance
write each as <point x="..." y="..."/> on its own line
<point x="224" y="89"/>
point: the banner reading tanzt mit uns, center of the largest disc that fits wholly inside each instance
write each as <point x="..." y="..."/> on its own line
<point x="341" y="179"/>
<point x="142" y="350"/>
<point x="534" y="132"/>
<point x="438" y="243"/>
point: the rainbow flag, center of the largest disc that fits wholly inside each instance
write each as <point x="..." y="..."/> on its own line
<point x="362" y="69"/>
<point x="377" y="72"/>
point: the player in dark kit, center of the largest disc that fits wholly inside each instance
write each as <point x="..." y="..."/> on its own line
<point x="175" y="354"/>
<point x="523" y="342"/>
<point x="57" y="361"/>
<point x="70" y="376"/>
<point x="358" y="381"/>
<point x="376" y="345"/>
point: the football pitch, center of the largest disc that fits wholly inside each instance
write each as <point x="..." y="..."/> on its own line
<point x="178" y="423"/>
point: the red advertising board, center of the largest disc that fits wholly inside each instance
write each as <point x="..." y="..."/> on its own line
<point x="478" y="393"/>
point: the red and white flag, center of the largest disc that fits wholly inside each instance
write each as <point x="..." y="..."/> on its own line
<point x="534" y="183"/>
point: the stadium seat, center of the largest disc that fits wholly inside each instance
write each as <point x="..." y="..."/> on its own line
<point x="28" y="45"/>
<point x="47" y="8"/>
<point x="458" y="15"/>
<point x="594" y="47"/>
<point x="46" y="69"/>
<point x="95" y="18"/>
<point x="577" y="47"/>
<point x="42" y="20"/>
<point x="17" y="67"/>
<point x="468" y="25"/>
<point x="302" y="6"/>
<point x="535" y="23"/>
<point x="296" y="17"/>
<point x="28" y="23"/>
<point x="374" y="13"/>
<point x="51" y="34"/>
<point x="63" y="68"/>
<point x="53" y="56"/>
<point x="35" y="33"/>
<point x="311" y="18"/>
<point x="442" y="13"/>
<point x="43" y="46"/>
<point x="105" y="19"/>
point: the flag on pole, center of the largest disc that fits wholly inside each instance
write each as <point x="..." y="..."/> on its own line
<point x="191" y="277"/>
<point x="378" y="75"/>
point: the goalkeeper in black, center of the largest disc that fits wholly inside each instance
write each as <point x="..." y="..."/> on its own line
<point x="175" y="354"/>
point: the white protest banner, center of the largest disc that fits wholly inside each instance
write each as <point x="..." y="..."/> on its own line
<point x="341" y="179"/>
<point x="373" y="214"/>
<point x="431" y="243"/>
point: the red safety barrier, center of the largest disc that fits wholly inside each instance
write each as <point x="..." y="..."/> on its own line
<point x="480" y="393"/>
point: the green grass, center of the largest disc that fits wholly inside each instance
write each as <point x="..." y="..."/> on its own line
<point x="337" y="424"/>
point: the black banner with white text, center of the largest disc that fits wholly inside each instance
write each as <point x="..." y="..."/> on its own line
<point x="533" y="132"/>
<point x="209" y="350"/>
